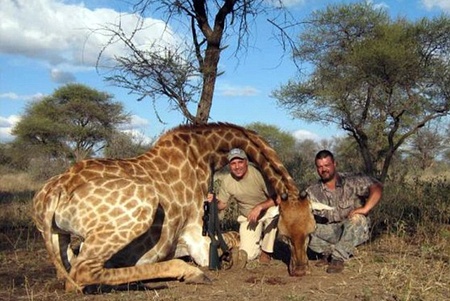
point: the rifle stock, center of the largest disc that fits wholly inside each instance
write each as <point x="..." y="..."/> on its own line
<point x="214" y="261"/>
<point x="211" y="227"/>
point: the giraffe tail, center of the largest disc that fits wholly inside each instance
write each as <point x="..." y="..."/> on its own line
<point x="49" y="236"/>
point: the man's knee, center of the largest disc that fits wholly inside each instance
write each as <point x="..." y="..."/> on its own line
<point x="252" y="253"/>
<point x="358" y="228"/>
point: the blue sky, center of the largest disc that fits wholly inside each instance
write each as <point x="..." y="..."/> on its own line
<point x="45" y="44"/>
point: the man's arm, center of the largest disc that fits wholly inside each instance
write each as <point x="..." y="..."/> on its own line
<point x="255" y="213"/>
<point x="220" y="205"/>
<point x="375" y="192"/>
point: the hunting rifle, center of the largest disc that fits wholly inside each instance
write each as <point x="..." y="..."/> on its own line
<point x="211" y="227"/>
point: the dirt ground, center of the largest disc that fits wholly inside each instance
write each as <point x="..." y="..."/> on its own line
<point x="385" y="269"/>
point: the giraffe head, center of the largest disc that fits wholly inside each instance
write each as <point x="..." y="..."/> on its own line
<point x="295" y="223"/>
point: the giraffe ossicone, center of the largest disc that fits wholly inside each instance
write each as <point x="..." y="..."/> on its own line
<point x="136" y="216"/>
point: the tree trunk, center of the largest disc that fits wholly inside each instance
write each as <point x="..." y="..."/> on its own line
<point x="212" y="53"/>
<point x="212" y="56"/>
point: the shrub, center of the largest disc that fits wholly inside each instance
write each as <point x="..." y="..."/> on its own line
<point x="416" y="208"/>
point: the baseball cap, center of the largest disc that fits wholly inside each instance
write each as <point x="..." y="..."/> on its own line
<point x="237" y="153"/>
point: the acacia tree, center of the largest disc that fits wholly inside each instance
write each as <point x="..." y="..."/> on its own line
<point x="426" y="145"/>
<point x="185" y="75"/>
<point x="72" y="123"/>
<point x="380" y="80"/>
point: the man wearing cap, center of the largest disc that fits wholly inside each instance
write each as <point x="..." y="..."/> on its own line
<point x="257" y="210"/>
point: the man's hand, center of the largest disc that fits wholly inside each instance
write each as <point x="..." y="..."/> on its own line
<point x="359" y="210"/>
<point x="254" y="214"/>
<point x="209" y="197"/>
<point x="220" y="205"/>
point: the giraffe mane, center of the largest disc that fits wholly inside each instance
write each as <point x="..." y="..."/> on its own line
<point x="271" y="161"/>
<point x="262" y="155"/>
<point x="189" y="127"/>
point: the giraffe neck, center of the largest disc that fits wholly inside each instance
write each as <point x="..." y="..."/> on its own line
<point x="270" y="164"/>
<point x="203" y="145"/>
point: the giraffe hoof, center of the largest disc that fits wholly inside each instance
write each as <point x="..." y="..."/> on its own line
<point x="70" y="286"/>
<point x="198" y="279"/>
<point x="239" y="258"/>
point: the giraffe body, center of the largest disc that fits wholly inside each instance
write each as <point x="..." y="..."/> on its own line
<point x="135" y="216"/>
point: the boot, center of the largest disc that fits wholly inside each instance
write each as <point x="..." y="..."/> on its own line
<point x="336" y="266"/>
<point x="264" y="257"/>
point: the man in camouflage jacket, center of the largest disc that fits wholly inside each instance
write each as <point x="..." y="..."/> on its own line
<point x="340" y="230"/>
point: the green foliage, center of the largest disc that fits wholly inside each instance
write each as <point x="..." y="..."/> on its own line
<point x="415" y="208"/>
<point x="5" y="158"/>
<point x="347" y="155"/>
<point x="123" y="145"/>
<point x="42" y="168"/>
<point x="425" y="147"/>
<point x="282" y="142"/>
<point x="301" y="166"/>
<point x="297" y="156"/>
<point x="15" y="155"/>
<point x="380" y="80"/>
<point x="72" y="123"/>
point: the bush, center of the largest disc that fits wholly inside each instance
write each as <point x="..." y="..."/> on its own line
<point x="418" y="209"/>
<point x="42" y="168"/>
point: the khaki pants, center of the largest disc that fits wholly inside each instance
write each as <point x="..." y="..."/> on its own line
<point x="258" y="236"/>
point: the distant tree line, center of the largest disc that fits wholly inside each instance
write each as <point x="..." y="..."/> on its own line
<point x="35" y="150"/>
<point x="74" y="123"/>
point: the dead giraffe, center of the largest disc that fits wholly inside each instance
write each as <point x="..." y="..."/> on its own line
<point x="136" y="215"/>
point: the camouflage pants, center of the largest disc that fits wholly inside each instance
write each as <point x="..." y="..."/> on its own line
<point x="340" y="239"/>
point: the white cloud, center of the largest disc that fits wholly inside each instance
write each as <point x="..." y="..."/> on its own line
<point x="138" y="136"/>
<point x="136" y="122"/>
<point x="304" y="135"/>
<point x="6" y="124"/>
<point x="68" y="35"/>
<point x="285" y="3"/>
<point x="15" y="96"/>
<point x="136" y="129"/>
<point x="62" y="77"/>
<point x="442" y="4"/>
<point x="229" y="90"/>
<point x="379" y="5"/>
<point x="9" y="95"/>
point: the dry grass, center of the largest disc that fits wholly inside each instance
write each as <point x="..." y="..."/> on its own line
<point x="412" y="271"/>
<point x="389" y="268"/>
<point x="432" y="176"/>
<point x="408" y="261"/>
<point x="18" y="182"/>
<point x="16" y="192"/>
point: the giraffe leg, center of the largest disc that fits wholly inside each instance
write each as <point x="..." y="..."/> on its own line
<point x="91" y="272"/>
<point x="90" y="266"/>
<point x="63" y="252"/>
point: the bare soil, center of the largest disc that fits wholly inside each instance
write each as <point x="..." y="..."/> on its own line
<point x="388" y="268"/>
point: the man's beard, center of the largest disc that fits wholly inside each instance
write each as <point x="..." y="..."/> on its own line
<point x="327" y="177"/>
